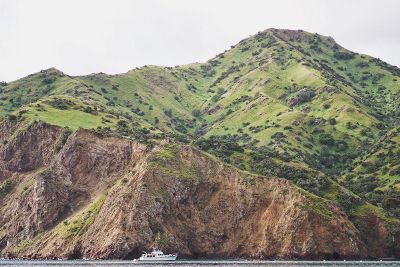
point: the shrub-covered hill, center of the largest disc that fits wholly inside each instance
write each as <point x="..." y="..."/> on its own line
<point x="287" y="103"/>
<point x="375" y="174"/>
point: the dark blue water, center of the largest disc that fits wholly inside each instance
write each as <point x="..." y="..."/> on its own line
<point x="184" y="263"/>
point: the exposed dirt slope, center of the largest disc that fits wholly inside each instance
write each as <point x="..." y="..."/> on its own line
<point x="89" y="196"/>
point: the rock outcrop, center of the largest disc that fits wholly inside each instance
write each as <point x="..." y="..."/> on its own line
<point x="90" y="196"/>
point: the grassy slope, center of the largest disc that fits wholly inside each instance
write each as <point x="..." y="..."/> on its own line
<point x="266" y="90"/>
<point x="327" y="104"/>
<point x="375" y="174"/>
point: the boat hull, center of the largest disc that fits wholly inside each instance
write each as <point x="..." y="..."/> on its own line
<point x="159" y="258"/>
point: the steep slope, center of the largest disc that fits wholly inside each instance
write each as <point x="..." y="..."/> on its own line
<point x="301" y="94"/>
<point x="281" y="103"/>
<point x="376" y="173"/>
<point x="283" y="91"/>
<point x="106" y="197"/>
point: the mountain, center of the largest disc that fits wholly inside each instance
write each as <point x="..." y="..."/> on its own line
<point x="285" y="128"/>
<point x="375" y="173"/>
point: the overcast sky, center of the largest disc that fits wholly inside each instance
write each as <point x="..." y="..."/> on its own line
<point x="114" y="36"/>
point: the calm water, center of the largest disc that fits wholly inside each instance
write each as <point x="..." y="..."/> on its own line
<point x="204" y="263"/>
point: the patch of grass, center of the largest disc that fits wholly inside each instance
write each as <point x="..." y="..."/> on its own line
<point x="71" y="118"/>
<point x="168" y="160"/>
<point x="167" y="152"/>
<point x="6" y="188"/>
<point x="23" y="245"/>
<point x="317" y="205"/>
<point x="78" y="224"/>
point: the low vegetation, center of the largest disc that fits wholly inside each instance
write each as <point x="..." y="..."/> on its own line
<point x="285" y="103"/>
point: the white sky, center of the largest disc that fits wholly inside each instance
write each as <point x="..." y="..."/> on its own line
<point x="114" y="36"/>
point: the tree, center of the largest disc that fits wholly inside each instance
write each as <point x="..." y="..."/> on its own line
<point x="343" y="55"/>
<point x="332" y="121"/>
<point x="326" y="139"/>
<point x="196" y="112"/>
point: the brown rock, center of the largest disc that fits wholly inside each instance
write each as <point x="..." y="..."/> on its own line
<point x="107" y="197"/>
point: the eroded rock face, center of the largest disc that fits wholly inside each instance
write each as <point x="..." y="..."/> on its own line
<point x="105" y="197"/>
<point x="31" y="148"/>
<point x="52" y="186"/>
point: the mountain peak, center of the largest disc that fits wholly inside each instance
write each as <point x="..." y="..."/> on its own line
<point x="298" y="35"/>
<point x="52" y="70"/>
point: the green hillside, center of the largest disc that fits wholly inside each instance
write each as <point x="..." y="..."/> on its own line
<point x="375" y="174"/>
<point x="288" y="103"/>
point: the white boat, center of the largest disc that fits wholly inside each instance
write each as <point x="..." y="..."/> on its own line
<point x="157" y="255"/>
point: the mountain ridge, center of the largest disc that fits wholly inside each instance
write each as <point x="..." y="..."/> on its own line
<point x="282" y="103"/>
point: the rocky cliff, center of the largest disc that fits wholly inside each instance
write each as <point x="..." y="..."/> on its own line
<point x="84" y="195"/>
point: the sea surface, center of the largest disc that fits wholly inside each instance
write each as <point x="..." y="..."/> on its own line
<point x="183" y="263"/>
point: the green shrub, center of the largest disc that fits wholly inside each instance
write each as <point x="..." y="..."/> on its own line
<point x="326" y="139"/>
<point x="196" y="112"/>
<point x="12" y="117"/>
<point x="302" y="96"/>
<point x="6" y="188"/>
<point x="222" y="146"/>
<point x="64" y="137"/>
<point x="332" y="121"/>
<point x="60" y="103"/>
<point x="351" y="126"/>
<point x="343" y="55"/>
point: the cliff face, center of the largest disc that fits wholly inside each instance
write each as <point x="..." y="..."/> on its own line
<point x="89" y="196"/>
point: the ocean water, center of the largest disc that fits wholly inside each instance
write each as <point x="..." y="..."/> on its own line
<point x="183" y="263"/>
